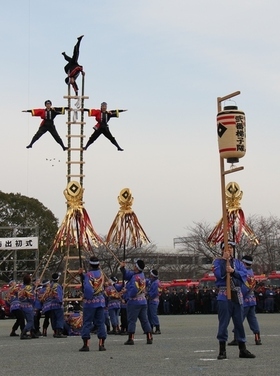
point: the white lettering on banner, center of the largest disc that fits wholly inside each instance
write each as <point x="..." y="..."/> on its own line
<point x="30" y="242"/>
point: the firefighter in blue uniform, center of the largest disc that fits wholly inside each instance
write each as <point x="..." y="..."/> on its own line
<point x="93" y="304"/>
<point x="249" y="304"/>
<point x="57" y="312"/>
<point x="136" y="301"/>
<point x="230" y="308"/>
<point x="153" y="292"/>
<point x="113" y="293"/>
<point x="13" y="302"/>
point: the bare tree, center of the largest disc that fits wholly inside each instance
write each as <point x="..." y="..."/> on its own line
<point x="266" y="254"/>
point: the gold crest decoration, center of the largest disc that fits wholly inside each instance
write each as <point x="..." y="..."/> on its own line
<point x="126" y="230"/>
<point x="236" y="218"/>
<point x="76" y="228"/>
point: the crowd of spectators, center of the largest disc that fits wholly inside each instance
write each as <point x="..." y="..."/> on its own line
<point x="203" y="300"/>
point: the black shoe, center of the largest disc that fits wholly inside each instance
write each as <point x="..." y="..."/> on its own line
<point x="84" y="348"/>
<point x="258" y="342"/>
<point x="25" y="336"/>
<point x="129" y="342"/>
<point x="233" y="343"/>
<point x="246" y="354"/>
<point x="222" y="355"/>
<point x="157" y="332"/>
<point x="80" y="38"/>
<point x="102" y="348"/>
<point x="60" y="335"/>
<point x="120" y="149"/>
<point x="149" y="341"/>
<point x="29" y="146"/>
<point x="84" y="148"/>
<point x="14" y="334"/>
<point x="112" y="332"/>
<point x="65" y="148"/>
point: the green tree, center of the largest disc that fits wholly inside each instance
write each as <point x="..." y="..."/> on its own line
<point x="22" y="216"/>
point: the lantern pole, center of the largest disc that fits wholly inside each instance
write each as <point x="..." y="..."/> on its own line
<point x="223" y="190"/>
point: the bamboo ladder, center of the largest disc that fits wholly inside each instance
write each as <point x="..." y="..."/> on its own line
<point x="75" y="172"/>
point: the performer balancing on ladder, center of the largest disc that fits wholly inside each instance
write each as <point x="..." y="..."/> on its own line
<point x="102" y="117"/>
<point x="47" y="125"/>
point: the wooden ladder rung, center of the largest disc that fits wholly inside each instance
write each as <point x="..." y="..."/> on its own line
<point x="76" y="122"/>
<point x="75" y="135"/>
<point x="75" y="97"/>
<point x="73" y="284"/>
<point x="71" y="299"/>
<point x="75" y="176"/>
<point x="73" y="271"/>
<point x="75" y="162"/>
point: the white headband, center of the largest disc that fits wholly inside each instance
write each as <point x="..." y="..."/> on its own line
<point x="94" y="262"/>
<point x="247" y="261"/>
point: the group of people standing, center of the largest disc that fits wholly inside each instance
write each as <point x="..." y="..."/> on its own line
<point x="140" y="297"/>
<point x="29" y="300"/>
<point x="104" y="303"/>
<point x="136" y="297"/>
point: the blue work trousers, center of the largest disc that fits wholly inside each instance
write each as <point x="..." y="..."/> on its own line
<point x="152" y="314"/>
<point x="250" y="314"/>
<point x="114" y="316"/>
<point x="57" y="318"/>
<point x="135" y="312"/>
<point x="96" y="316"/>
<point x="29" y="319"/>
<point x="227" y="309"/>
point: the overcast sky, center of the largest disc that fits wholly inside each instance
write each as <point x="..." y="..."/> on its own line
<point x="166" y="61"/>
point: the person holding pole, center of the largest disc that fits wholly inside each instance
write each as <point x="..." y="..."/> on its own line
<point x="230" y="307"/>
<point x="136" y="301"/>
<point x="93" y="304"/>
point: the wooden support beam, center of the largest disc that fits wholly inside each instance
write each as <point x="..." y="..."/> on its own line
<point x="233" y="170"/>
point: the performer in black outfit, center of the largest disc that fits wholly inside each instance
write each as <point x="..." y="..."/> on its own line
<point x="102" y="117"/>
<point x="73" y="69"/>
<point x="47" y="125"/>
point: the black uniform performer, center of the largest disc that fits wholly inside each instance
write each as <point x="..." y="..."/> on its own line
<point x="73" y="68"/>
<point x="47" y="125"/>
<point x="102" y="117"/>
